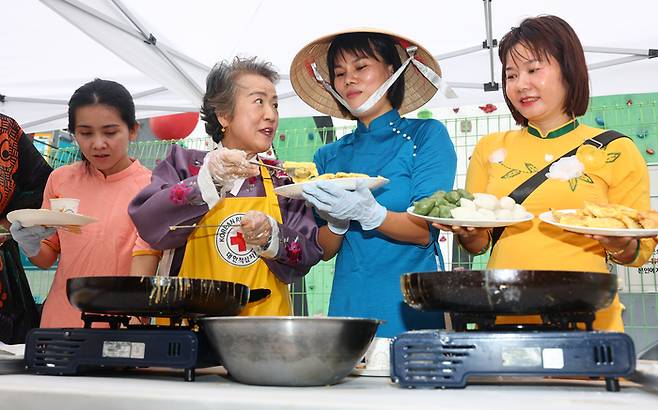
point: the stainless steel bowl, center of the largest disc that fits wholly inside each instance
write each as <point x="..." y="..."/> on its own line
<point x="289" y="350"/>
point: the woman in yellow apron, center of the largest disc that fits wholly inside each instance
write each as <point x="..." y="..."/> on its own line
<point x="245" y="234"/>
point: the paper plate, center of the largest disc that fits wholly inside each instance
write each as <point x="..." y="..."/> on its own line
<point x="479" y="223"/>
<point x="47" y="217"/>
<point x="294" y="191"/>
<point x="547" y="217"/>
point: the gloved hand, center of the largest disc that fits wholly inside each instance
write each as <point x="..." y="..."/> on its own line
<point x="29" y="238"/>
<point x="337" y="226"/>
<point x="226" y="165"/>
<point x="339" y="203"/>
<point x="256" y="227"/>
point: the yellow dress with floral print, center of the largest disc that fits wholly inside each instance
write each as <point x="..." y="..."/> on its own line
<point x="502" y="161"/>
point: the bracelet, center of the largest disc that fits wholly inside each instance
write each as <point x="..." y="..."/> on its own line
<point x="616" y="253"/>
<point x="613" y="255"/>
<point x="620" y="251"/>
<point x="268" y="243"/>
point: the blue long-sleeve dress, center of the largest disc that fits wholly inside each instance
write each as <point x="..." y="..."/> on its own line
<point x="418" y="158"/>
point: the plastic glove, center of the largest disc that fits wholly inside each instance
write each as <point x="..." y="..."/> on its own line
<point x="226" y="165"/>
<point x="256" y="228"/>
<point x="29" y="238"/>
<point x="339" y="203"/>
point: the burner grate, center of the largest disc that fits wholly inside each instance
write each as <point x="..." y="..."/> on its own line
<point x="567" y="321"/>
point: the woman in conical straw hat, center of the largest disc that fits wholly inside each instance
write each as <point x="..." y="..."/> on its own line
<point x="374" y="77"/>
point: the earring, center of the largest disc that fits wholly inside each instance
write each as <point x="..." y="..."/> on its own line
<point x="223" y="130"/>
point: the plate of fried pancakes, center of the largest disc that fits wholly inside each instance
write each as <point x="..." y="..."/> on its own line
<point x="342" y="179"/>
<point x="605" y="220"/>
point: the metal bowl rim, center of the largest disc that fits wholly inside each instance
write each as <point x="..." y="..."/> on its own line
<point x="287" y="318"/>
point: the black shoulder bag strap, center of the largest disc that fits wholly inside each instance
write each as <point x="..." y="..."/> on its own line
<point x="524" y="190"/>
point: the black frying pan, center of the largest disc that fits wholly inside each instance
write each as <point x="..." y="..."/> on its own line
<point x="160" y="296"/>
<point x="509" y="291"/>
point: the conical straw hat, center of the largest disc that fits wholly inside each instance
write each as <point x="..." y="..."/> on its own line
<point x="418" y="89"/>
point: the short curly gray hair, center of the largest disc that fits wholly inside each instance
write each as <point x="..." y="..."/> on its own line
<point x="221" y="89"/>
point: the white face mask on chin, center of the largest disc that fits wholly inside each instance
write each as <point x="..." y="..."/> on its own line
<point x="426" y="71"/>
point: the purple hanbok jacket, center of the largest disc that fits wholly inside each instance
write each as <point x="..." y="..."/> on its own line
<point x="153" y="211"/>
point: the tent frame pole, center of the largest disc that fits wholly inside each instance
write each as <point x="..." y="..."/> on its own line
<point x="140" y="34"/>
<point x="490" y="44"/>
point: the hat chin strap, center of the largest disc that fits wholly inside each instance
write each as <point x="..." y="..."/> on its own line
<point x="426" y="71"/>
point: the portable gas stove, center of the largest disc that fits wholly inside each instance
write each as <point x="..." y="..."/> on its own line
<point x="565" y="300"/>
<point x="114" y="300"/>
<point x="72" y="351"/>
<point x="446" y="359"/>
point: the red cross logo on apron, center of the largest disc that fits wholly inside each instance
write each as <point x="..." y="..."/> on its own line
<point x="231" y="245"/>
<point x="238" y="239"/>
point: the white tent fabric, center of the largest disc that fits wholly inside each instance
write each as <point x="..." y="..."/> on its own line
<point x="161" y="50"/>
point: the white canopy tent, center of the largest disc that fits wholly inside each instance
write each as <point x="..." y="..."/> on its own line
<point x="161" y="50"/>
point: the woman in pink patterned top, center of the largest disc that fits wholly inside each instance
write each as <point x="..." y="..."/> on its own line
<point x="102" y="117"/>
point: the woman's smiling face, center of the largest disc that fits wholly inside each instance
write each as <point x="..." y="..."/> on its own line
<point x="357" y="77"/>
<point x="536" y="87"/>
<point x="255" y="117"/>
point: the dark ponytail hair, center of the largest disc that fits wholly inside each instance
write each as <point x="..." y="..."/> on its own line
<point x="104" y="92"/>
<point x="221" y="88"/>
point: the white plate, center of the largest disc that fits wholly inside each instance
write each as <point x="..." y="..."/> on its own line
<point x="47" y="217"/>
<point x="11" y="358"/>
<point x="294" y="191"/>
<point x="548" y="218"/>
<point x="472" y="222"/>
<point x="376" y="361"/>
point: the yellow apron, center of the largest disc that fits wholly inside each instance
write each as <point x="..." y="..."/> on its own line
<point x="221" y="253"/>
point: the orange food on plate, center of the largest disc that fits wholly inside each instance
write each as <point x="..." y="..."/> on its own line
<point x="301" y="171"/>
<point x="612" y="216"/>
